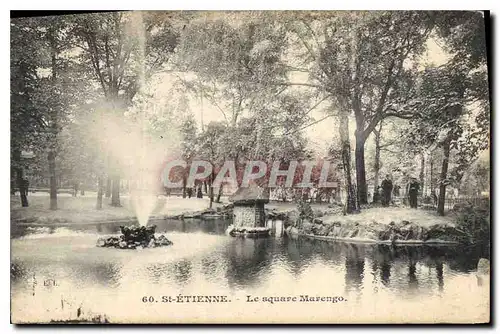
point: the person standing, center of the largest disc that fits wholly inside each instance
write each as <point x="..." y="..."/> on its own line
<point x="386" y="190"/>
<point x="413" y="188"/>
<point x="26" y="185"/>
<point x="395" y="192"/>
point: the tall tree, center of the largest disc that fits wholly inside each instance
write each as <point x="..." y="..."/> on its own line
<point x="236" y="68"/>
<point x="54" y="111"/>
<point x="371" y="53"/>
<point x="62" y="87"/>
<point x="210" y="145"/>
<point x="26" y="122"/>
<point x="351" y="204"/>
<point x="307" y="56"/>
<point x="454" y="106"/>
<point x="444" y="119"/>
<point x="376" y="161"/>
<point x="51" y="92"/>
<point x="124" y="50"/>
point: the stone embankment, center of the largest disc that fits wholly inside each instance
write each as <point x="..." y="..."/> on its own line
<point x="374" y="225"/>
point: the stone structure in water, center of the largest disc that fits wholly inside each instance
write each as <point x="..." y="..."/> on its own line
<point x="249" y="216"/>
<point x="133" y="237"/>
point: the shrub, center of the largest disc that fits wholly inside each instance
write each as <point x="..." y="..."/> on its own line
<point x="305" y="212"/>
<point x="474" y="224"/>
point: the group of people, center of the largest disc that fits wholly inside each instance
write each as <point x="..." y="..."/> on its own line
<point x="384" y="192"/>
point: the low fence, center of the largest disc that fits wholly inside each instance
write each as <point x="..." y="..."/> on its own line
<point x="46" y="190"/>
<point x="452" y="202"/>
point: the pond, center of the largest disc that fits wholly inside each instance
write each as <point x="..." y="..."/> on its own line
<point x="60" y="274"/>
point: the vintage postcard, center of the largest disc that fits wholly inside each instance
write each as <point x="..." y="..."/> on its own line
<point x="322" y="167"/>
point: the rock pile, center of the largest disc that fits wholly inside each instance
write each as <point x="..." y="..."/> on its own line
<point x="403" y="231"/>
<point x="133" y="237"/>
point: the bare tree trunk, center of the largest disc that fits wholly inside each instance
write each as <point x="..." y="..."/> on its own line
<point x="108" y="187"/>
<point x="346" y="162"/>
<point x="211" y="191"/>
<point x="422" y="173"/>
<point x="115" y="191"/>
<point x="12" y="177"/>
<point x="376" y="163"/>
<point x="444" y="175"/>
<point x="211" y="196"/>
<point x="184" y="184"/>
<point x="431" y="172"/>
<point x="219" y="194"/>
<point x="355" y="105"/>
<point x="54" y="130"/>
<point x="52" y="178"/>
<point x="22" y="187"/>
<point x="20" y="178"/>
<point x="100" y="186"/>
<point x="360" y="169"/>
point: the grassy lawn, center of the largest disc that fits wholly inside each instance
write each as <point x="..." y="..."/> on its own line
<point x="82" y="208"/>
<point x="383" y="215"/>
<point x="424" y="218"/>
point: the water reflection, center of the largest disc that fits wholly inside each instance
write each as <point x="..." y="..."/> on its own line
<point x="247" y="260"/>
<point x="439" y="275"/>
<point x="412" y="277"/>
<point x="354" y="266"/>
<point x="381" y="263"/>
<point x="182" y="271"/>
<point x="237" y="263"/>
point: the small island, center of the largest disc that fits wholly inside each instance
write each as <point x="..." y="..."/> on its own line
<point x="134" y="237"/>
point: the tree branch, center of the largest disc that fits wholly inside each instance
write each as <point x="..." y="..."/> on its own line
<point x="308" y="27"/>
<point x="94" y="57"/>
<point x="108" y="64"/>
<point x="298" y="84"/>
<point x="399" y="115"/>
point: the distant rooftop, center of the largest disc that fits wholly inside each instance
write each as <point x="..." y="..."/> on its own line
<point x="251" y="194"/>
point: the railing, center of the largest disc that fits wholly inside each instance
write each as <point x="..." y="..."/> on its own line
<point x="451" y="202"/>
<point x="46" y="190"/>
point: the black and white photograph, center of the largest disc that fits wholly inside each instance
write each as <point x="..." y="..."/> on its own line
<point x="250" y="167"/>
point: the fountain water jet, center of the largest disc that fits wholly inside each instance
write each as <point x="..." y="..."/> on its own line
<point x="143" y="204"/>
<point x="144" y="201"/>
<point x="134" y="147"/>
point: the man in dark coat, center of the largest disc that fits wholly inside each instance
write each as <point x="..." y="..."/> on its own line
<point x="386" y="190"/>
<point x="413" y="189"/>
